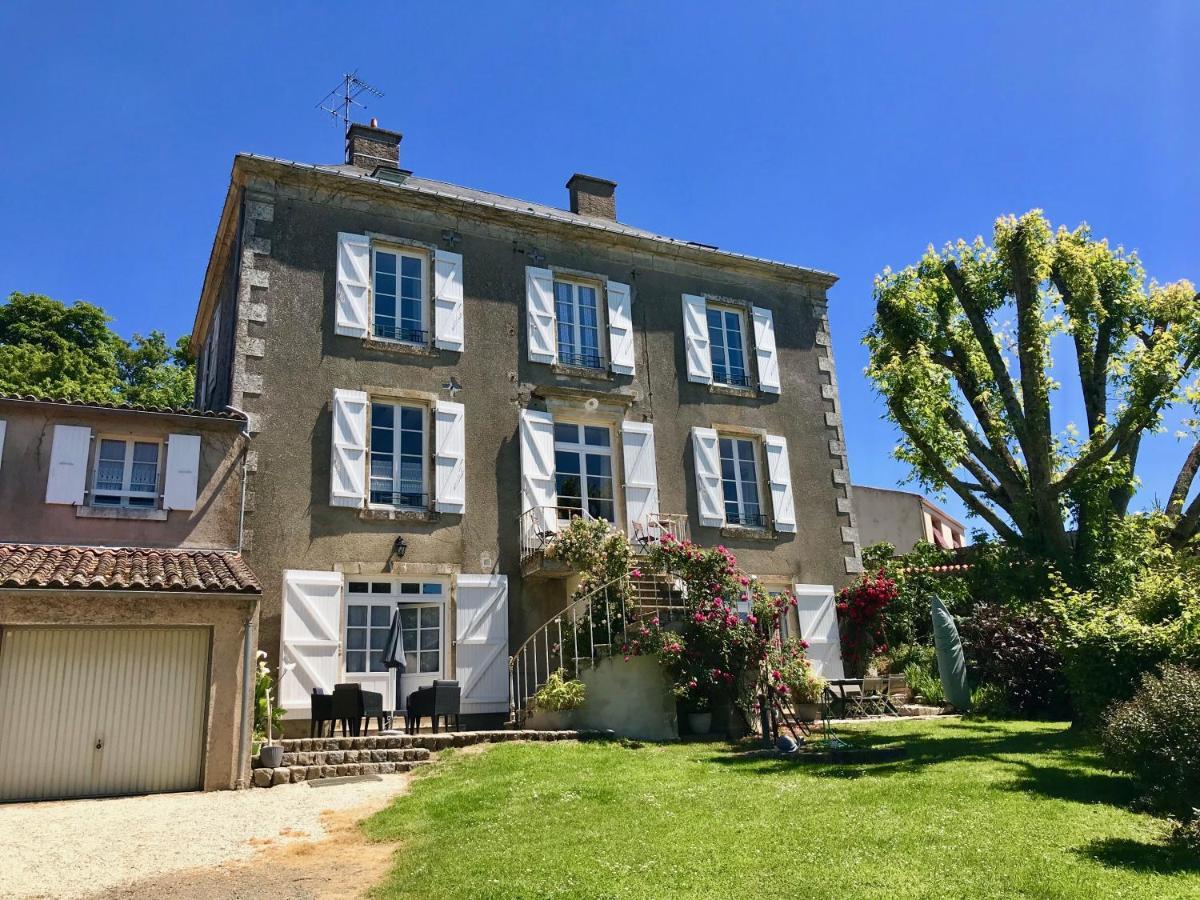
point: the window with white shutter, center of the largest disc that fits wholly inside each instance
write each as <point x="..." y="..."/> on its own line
<point x="448" y="300"/>
<point x="183" y="471"/>
<point x="707" y="458"/>
<point x="620" y="328"/>
<point x="765" y="355"/>
<point x="779" y="475"/>
<point x="540" y="315"/>
<point x="347" y="471"/>
<point x="450" y="449"/>
<point x="69" y="450"/>
<point x="538" y="491"/>
<point x="641" y="476"/>
<point x="695" y="338"/>
<point x="353" y="287"/>
<point x="309" y="638"/>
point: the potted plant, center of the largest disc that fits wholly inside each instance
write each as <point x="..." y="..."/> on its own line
<point x="268" y="718"/>
<point x="699" y="713"/>
<point x="791" y="674"/>
<point x="555" y="701"/>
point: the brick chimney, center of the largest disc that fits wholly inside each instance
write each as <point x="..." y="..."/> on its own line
<point x="593" y="196"/>
<point x="371" y="147"/>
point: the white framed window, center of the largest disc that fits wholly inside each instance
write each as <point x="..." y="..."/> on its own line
<point x="577" y="312"/>
<point x="126" y="472"/>
<point x="583" y="471"/>
<point x="727" y="345"/>
<point x="740" y="488"/>
<point x="399" y="471"/>
<point x="370" y="606"/>
<point x="399" y="309"/>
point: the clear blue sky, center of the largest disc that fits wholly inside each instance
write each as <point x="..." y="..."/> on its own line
<point x="845" y="136"/>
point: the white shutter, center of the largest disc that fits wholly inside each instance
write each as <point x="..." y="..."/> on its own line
<point x="2" y="428"/>
<point x="448" y="300"/>
<point x="641" y="474"/>
<point x="309" y="638"/>
<point x="348" y="464"/>
<point x="817" y="614"/>
<point x="450" y="452"/>
<point x="620" y="328"/>
<point x="539" y="311"/>
<point x="353" y="284"/>
<point x="695" y="338"/>
<point x="706" y="450"/>
<point x="538" y="490"/>
<point x="764" y="350"/>
<point x="68" y="464"/>
<point x="779" y="476"/>
<point x="481" y="650"/>
<point x="183" y="470"/>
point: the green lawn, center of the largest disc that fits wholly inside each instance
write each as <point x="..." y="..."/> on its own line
<point x="977" y="809"/>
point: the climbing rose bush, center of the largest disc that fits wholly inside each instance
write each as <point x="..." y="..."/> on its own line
<point x="860" y="608"/>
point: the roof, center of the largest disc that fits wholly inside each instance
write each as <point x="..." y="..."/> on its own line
<point x="229" y="415"/>
<point x="473" y="196"/>
<point x="125" y="569"/>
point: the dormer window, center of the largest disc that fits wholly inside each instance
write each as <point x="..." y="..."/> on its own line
<point x="126" y="473"/>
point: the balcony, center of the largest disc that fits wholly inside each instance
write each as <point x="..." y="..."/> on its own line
<point x="539" y="526"/>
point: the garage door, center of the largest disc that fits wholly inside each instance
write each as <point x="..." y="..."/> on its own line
<point x="89" y="712"/>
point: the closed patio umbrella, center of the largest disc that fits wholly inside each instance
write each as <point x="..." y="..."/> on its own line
<point x="393" y="654"/>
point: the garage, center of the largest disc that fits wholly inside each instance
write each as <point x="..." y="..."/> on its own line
<point x="92" y="712"/>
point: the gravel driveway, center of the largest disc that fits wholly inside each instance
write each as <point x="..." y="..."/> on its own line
<point x="135" y="846"/>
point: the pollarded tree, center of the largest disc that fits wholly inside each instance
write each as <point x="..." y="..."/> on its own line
<point x="961" y="353"/>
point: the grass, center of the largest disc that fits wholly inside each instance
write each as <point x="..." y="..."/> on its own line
<point x="976" y="809"/>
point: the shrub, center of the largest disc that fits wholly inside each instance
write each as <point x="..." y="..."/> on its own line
<point x="559" y="694"/>
<point x="991" y="702"/>
<point x="1186" y="835"/>
<point x="1014" y="652"/>
<point x="860" y="608"/>
<point x="925" y="683"/>
<point x="791" y="672"/>
<point x="1155" y="737"/>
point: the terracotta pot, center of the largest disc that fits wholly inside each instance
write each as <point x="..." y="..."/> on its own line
<point x="699" y="722"/>
<point x="807" y="712"/>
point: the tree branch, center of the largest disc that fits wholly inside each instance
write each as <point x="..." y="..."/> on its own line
<point x="1183" y="482"/>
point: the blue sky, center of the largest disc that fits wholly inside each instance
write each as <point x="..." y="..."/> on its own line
<point x="845" y="136"/>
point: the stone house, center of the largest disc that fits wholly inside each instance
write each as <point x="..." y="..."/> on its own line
<point x="437" y="377"/>
<point x="127" y="614"/>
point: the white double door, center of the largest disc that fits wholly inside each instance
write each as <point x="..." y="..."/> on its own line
<point x="423" y="628"/>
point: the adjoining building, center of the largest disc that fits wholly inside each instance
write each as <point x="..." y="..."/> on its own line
<point x="437" y="378"/>
<point x="903" y="518"/>
<point x="127" y="614"/>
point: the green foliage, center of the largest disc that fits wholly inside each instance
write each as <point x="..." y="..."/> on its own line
<point x="790" y="672"/>
<point x="49" y="349"/>
<point x="559" y="693"/>
<point x="1155" y="737"/>
<point x="1015" y="653"/>
<point x="925" y="683"/>
<point x="1186" y="834"/>
<point x="860" y="609"/>
<point x="989" y="701"/>
<point x="265" y="707"/>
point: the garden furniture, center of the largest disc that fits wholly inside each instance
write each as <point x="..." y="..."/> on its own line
<point x="322" y="712"/>
<point x="373" y="709"/>
<point x="439" y="700"/>
<point x="848" y="693"/>
<point x="348" y="708"/>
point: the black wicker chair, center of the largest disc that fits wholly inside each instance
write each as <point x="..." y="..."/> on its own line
<point x="439" y="700"/>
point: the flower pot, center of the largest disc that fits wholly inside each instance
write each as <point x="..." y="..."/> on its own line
<point x="550" y="719"/>
<point x="699" y="722"/>
<point x="807" y="712"/>
<point x="271" y="756"/>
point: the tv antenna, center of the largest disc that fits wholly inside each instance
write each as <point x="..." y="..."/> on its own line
<point x="343" y="98"/>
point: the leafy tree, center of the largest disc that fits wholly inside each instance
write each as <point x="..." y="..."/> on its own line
<point x="49" y="349"/>
<point x="961" y="353"/>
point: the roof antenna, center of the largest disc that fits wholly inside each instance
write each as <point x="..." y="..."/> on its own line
<point x="343" y="98"/>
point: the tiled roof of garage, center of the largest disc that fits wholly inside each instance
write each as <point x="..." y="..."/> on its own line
<point x="228" y="414"/>
<point x="125" y="569"/>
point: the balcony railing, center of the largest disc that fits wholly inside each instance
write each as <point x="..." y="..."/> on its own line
<point x="399" y="333"/>
<point x="400" y="499"/>
<point x="539" y="525"/>
<point x="654" y="528"/>
<point x="581" y="360"/>
<point x="734" y="379"/>
<point x="747" y="519"/>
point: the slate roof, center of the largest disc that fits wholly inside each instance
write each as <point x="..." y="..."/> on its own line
<point x="125" y="569"/>
<point x="230" y="415"/>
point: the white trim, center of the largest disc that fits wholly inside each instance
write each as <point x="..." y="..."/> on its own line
<point x="400" y="252"/>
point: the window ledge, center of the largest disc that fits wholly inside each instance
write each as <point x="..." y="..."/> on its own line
<point x="120" y="512"/>
<point x="373" y="343"/>
<point x="748" y="534"/>
<point x="729" y="390"/>
<point x="384" y="514"/>
<point x="581" y="372"/>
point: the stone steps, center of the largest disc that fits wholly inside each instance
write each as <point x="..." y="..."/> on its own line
<point x="293" y="774"/>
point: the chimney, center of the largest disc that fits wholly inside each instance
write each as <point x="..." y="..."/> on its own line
<point x="593" y="196"/>
<point x="371" y="147"/>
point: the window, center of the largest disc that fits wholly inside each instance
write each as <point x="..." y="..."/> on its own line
<point x="126" y="473"/>
<point x="739" y="482"/>
<point x="399" y="296"/>
<point x="583" y="463"/>
<point x="727" y="344"/>
<point x="398" y="454"/>
<point x="369" y="610"/>
<point x="576" y="307"/>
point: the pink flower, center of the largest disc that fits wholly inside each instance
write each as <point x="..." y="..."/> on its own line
<point x="753" y="620"/>
<point x="636" y="573"/>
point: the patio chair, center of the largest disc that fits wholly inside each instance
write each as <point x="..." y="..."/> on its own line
<point x="348" y="708"/>
<point x="897" y="688"/>
<point x="373" y="709"/>
<point x="439" y="700"/>
<point x="847" y="694"/>
<point x="322" y="712"/>
<point x="874" y="696"/>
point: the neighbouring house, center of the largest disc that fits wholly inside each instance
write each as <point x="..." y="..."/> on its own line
<point x="436" y="378"/>
<point x="902" y="518"/>
<point x="127" y="615"/>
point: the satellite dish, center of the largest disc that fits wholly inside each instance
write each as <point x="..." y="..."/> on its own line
<point x="591" y="404"/>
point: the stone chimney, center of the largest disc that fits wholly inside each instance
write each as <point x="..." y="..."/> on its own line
<point x="371" y="147"/>
<point x="593" y="196"/>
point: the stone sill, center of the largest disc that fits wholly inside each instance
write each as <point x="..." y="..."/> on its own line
<point x="120" y="512"/>
<point x="372" y="343"/>
<point x="387" y="514"/>
<point x="729" y="390"/>
<point x="581" y="372"/>
<point x="748" y="534"/>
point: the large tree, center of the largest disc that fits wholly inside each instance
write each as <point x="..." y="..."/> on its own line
<point x="49" y="349"/>
<point x="961" y="354"/>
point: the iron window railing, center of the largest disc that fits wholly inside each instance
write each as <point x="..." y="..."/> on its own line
<point x="581" y="360"/>
<point x="395" y="333"/>
<point x="746" y="520"/>
<point x="724" y="376"/>
<point x="400" y="499"/>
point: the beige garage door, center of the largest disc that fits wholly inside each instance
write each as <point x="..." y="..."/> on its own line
<point x="89" y="712"/>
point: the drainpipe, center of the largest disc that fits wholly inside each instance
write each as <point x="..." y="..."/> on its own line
<point x="245" y="462"/>
<point x="248" y="669"/>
